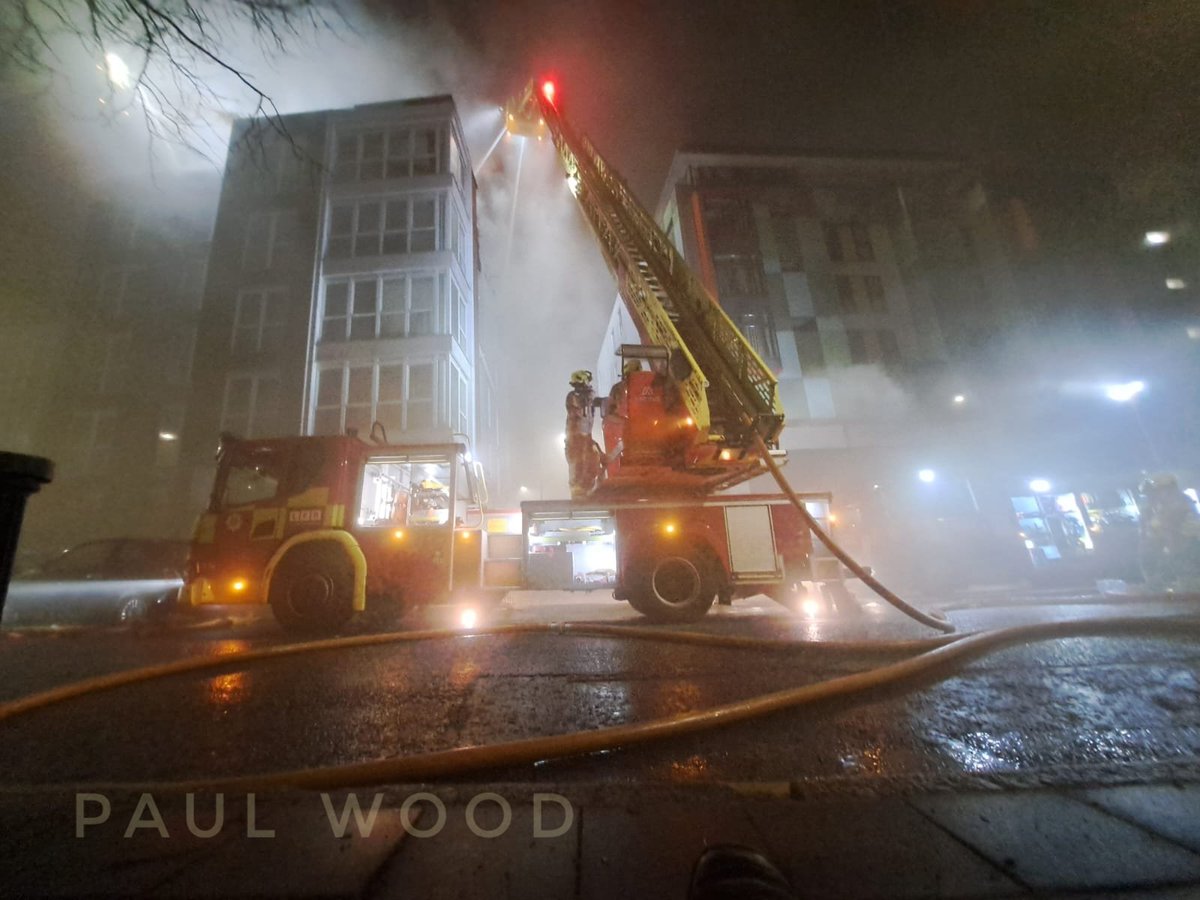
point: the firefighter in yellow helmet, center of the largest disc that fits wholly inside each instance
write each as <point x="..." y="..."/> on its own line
<point x="583" y="456"/>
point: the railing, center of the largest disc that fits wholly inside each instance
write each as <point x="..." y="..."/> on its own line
<point x="670" y="304"/>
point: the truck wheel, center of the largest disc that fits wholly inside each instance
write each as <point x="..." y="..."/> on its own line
<point x="312" y="590"/>
<point x="671" y="588"/>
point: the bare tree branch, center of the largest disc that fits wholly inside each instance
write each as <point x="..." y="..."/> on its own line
<point x="179" y="50"/>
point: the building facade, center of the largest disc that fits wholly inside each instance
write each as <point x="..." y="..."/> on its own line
<point x="945" y="351"/>
<point x="870" y="286"/>
<point x="114" y="380"/>
<point x="342" y="283"/>
<point x="850" y="277"/>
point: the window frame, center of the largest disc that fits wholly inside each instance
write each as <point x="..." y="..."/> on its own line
<point x="254" y="412"/>
<point x="405" y="403"/>
<point x="266" y="321"/>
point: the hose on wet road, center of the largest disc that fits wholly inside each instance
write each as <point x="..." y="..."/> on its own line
<point x="860" y="572"/>
<point x="940" y="658"/>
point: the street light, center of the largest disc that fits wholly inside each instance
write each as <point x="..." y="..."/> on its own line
<point x="960" y="399"/>
<point x="927" y="475"/>
<point x="1157" y="238"/>
<point x="1123" y="393"/>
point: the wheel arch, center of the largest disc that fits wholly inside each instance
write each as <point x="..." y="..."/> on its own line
<point x="344" y="540"/>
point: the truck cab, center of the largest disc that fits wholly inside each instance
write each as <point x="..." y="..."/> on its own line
<point x="318" y="527"/>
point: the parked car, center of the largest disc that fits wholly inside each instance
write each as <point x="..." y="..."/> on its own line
<point x="99" y="582"/>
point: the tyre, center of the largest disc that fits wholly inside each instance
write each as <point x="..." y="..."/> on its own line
<point x="312" y="591"/>
<point x="672" y="587"/>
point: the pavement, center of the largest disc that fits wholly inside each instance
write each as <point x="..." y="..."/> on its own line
<point x="914" y="797"/>
<point x="1132" y="841"/>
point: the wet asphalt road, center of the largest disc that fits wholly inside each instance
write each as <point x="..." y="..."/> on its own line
<point x="1094" y="711"/>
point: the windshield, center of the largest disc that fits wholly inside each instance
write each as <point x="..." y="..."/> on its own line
<point x="529" y="447"/>
<point x="252" y="476"/>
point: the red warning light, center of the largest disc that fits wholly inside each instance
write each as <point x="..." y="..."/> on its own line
<point x="548" y="91"/>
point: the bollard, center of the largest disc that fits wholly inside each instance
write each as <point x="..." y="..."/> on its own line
<point x="20" y="476"/>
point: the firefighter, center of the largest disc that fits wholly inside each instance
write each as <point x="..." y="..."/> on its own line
<point x="1170" y="536"/>
<point x="615" y="412"/>
<point x="583" y="456"/>
<point x="615" y="406"/>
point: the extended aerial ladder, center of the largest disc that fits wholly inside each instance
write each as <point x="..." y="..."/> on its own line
<point x="730" y="394"/>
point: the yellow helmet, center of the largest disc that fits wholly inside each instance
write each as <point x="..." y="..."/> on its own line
<point x="630" y="366"/>
<point x="581" y="376"/>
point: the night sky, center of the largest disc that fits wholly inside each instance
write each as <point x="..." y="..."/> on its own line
<point x="1090" y="82"/>
<point x="1074" y="85"/>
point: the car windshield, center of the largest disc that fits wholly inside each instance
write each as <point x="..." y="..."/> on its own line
<point x="600" y="449"/>
<point x="81" y="561"/>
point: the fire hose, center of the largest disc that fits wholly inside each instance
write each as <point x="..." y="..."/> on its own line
<point x="944" y="657"/>
<point x="842" y="556"/>
<point x="931" y="659"/>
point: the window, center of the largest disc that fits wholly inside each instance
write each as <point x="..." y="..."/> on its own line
<point x="383" y="307"/>
<point x="390" y="407"/>
<point x="253" y="475"/>
<point x="739" y="276"/>
<point x="257" y="321"/>
<point x="423" y="305"/>
<point x="365" y="310"/>
<point x="425" y="151"/>
<point x="359" y="408"/>
<point x="460" y="402"/>
<point x="848" y="242"/>
<point x="889" y="349"/>
<point x="359" y="157"/>
<point x="419" y="409"/>
<point x="455" y="161"/>
<point x="459" y="311"/>
<point x="399" y="395"/>
<point x="809" y="349"/>
<point x="113" y="375"/>
<point x="122" y="289"/>
<point x="759" y="334"/>
<point x="729" y="224"/>
<point x="399" y="154"/>
<point x="876" y="298"/>
<point x="833" y="243"/>
<point x="845" y="292"/>
<point x="456" y="237"/>
<point x="857" y="341"/>
<point x="368" y="229"/>
<point x="405" y="492"/>
<point x="251" y="406"/>
<point x="270" y="236"/>
<point x="371" y="228"/>
<point x="861" y="239"/>
<point x="178" y="350"/>
<point x="787" y="240"/>
<point x="81" y="561"/>
<point x="328" y="417"/>
<point x="351" y="310"/>
<point x="396" y="153"/>
<point x="95" y="437"/>
<point x="335" y="324"/>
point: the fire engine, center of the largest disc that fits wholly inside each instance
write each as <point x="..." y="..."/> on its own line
<point x="324" y="527"/>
